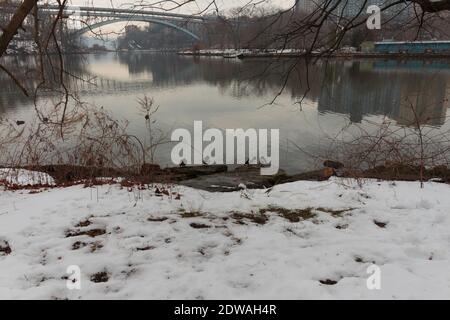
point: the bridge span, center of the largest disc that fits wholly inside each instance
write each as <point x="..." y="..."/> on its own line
<point x="106" y="16"/>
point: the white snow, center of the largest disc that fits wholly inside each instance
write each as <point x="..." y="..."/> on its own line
<point x="21" y="177"/>
<point x="233" y="259"/>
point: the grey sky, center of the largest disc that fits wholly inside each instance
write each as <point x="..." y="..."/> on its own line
<point x="113" y="30"/>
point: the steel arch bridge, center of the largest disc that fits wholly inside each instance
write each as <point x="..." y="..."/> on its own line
<point x="174" y="21"/>
<point x="136" y="19"/>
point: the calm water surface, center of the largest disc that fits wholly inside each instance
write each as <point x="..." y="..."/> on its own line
<point x="228" y="93"/>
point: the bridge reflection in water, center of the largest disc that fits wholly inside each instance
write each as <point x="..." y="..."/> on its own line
<point x="229" y="93"/>
<point x="354" y="88"/>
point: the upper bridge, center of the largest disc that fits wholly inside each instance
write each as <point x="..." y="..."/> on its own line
<point x="180" y="22"/>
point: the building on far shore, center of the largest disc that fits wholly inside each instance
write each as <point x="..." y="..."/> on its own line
<point x="413" y="47"/>
<point x="351" y="8"/>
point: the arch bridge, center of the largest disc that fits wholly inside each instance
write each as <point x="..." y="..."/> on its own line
<point x="98" y="17"/>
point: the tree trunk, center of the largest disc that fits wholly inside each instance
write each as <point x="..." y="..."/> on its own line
<point x="16" y="22"/>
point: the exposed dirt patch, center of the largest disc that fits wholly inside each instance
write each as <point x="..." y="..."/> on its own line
<point x="100" y="277"/>
<point x="293" y="215"/>
<point x="162" y="219"/>
<point x="360" y="259"/>
<point x="94" y="246"/>
<point x="328" y="282"/>
<point x="147" y="248"/>
<point x="380" y="224"/>
<point x="199" y="226"/>
<point x="83" y="224"/>
<point x="91" y="233"/>
<point x="5" y="248"/>
<point x="259" y="218"/>
<point x="78" y="245"/>
<point x="192" y="214"/>
<point x="35" y="191"/>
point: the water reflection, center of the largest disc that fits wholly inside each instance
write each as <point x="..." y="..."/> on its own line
<point x="398" y="90"/>
<point x="228" y="93"/>
<point x="353" y="88"/>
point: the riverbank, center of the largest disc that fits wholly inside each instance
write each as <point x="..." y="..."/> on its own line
<point x="293" y="53"/>
<point x="302" y="240"/>
<point x="214" y="178"/>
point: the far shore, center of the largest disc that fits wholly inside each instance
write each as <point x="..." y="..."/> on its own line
<point x="265" y="55"/>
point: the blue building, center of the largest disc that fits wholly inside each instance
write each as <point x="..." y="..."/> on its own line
<point x="412" y="47"/>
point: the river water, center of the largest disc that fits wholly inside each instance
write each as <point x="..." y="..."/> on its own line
<point x="311" y="106"/>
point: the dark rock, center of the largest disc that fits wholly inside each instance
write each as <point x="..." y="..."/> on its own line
<point x="333" y="164"/>
<point x="328" y="282"/>
<point x="380" y="224"/>
<point x="231" y="181"/>
<point x="190" y="172"/>
<point x="5" y="248"/>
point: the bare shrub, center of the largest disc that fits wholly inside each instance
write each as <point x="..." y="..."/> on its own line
<point x="416" y="145"/>
<point x="92" y="138"/>
<point x="155" y="137"/>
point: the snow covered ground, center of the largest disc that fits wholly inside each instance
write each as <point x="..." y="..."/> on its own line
<point x="22" y="177"/>
<point x="303" y="240"/>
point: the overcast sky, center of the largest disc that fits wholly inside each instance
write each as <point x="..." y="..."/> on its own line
<point x="196" y="7"/>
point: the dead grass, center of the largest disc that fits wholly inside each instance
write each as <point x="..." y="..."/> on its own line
<point x="100" y="277"/>
<point x="293" y="215"/>
<point x="83" y="224"/>
<point x="91" y="233"/>
<point x="93" y="247"/>
<point x="259" y="218"/>
<point x="192" y="214"/>
<point x="78" y="245"/>
<point x="199" y="226"/>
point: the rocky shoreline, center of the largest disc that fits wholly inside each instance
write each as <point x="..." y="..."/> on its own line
<point x="218" y="178"/>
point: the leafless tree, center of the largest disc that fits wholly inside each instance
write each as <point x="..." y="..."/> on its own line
<point x="325" y="27"/>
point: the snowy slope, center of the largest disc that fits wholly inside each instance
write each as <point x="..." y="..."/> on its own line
<point x="206" y="246"/>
